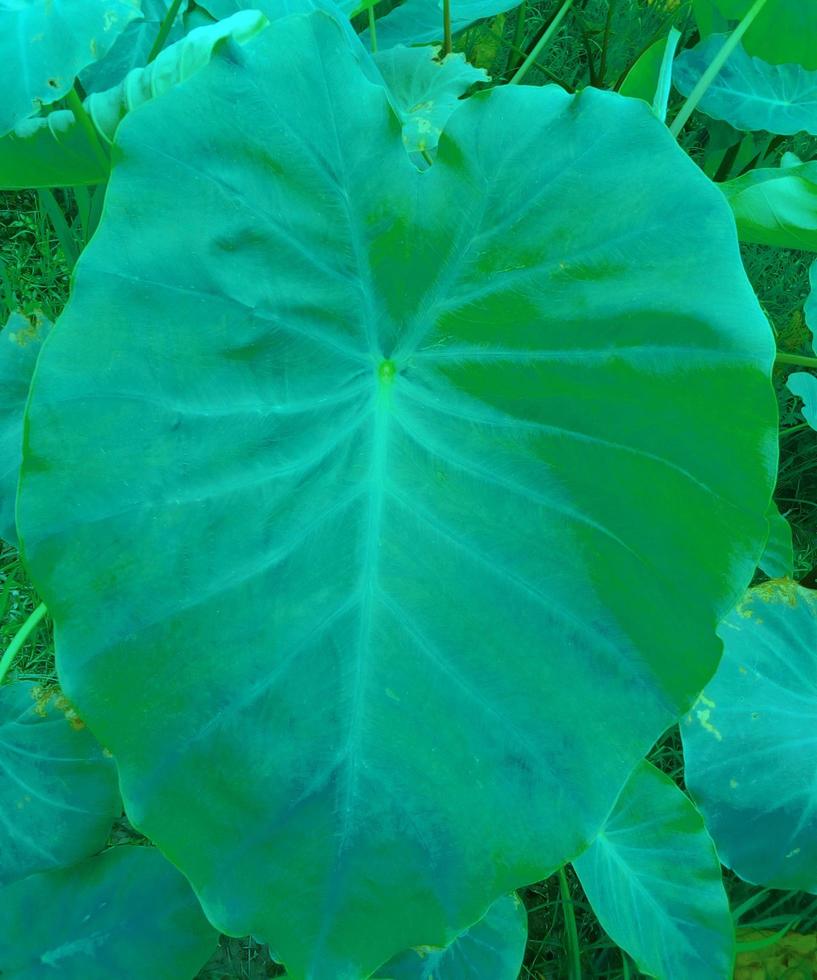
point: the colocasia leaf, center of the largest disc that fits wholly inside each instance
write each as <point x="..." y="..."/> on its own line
<point x="654" y="881"/>
<point x="344" y="484"/>
<point x="748" y="740"/>
<point x="421" y="21"/>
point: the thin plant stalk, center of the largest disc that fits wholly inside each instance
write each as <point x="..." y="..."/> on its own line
<point x="661" y="100"/>
<point x="20" y="637"/>
<point x="712" y="71"/>
<point x="164" y="29"/>
<point x="571" y="933"/>
<point x="74" y="103"/>
<point x="542" y="43"/>
<point x="372" y="30"/>
<point x="518" y="36"/>
<point x="447" y="42"/>
<point x="800" y="360"/>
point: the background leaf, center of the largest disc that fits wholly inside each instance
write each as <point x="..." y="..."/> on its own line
<point x="126" y="913"/>
<point x="44" y="44"/>
<point x="369" y="406"/>
<point x="425" y="92"/>
<point x="804" y="385"/>
<point x="421" y="21"/>
<point x="748" y="740"/>
<point x="749" y="93"/>
<point x="20" y="342"/>
<point x="59" y="793"/>
<point x="784" y="31"/>
<point x="654" y="881"/>
<point x="49" y="151"/>
<point x="492" y="947"/>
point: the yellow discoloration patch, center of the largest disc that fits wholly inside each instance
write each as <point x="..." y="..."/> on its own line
<point x="704" y="716"/>
<point x="733" y="784"/>
<point x="392" y="694"/>
<point x="793" y="853"/>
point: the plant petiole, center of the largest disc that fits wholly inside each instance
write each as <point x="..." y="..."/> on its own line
<point x="20" y="637"/>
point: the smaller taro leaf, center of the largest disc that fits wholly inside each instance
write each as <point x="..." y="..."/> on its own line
<point x="44" y="44"/>
<point x="59" y="793"/>
<point x="804" y="385"/>
<point x="49" y="151"/>
<point x="274" y="9"/>
<point x="132" y="48"/>
<point x="127" y="913"/>
<point x="810" y="309"/>
<point x="654" y="881"/>
<point x="749" y="93"/>
<point x="172" y="66"/>
<point x="776" y="205"/>
<point x="20" y="342"/>
<point x="784" y="31"/>
<point x="749" y="741"/>
<point x="425" y="91"/>
<point x="777" y="560"/>
<point x="493" y="947"/>
<point x="421" y="21"/>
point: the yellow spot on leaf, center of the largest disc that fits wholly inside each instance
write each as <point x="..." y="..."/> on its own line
<point x="704" y="714"/>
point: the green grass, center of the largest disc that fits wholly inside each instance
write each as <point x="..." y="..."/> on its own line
<point x="34" y="276"/>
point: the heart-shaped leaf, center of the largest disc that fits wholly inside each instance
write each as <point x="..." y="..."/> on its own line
<point x="749" y="742"/>
<point x="784" y="31"/>
<point x="654" y="881"/>
<point x="44" y="44"/>
<point x="59" y="793"/>
<point x="492" y="947"/>
<point x="125" y="913"/>
<point x="400" y="448"/>
<point x="20" y="342"/>
<point x="749" y="93"/>
<point x="425" y="91"/>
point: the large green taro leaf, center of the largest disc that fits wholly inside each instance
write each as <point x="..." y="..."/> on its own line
<point x="492" y="947"/>
<point x="20" y="341"/>
<point x="784" y="31"/>
<point x="749" y="93"/>
<point x="749" y="743"/>
<point x="45" y="43"/>
<point x="654" y="881"/>
<point x="126" y="914"/>
<point x="363" y="499"/>
<point x="58" y="791"/>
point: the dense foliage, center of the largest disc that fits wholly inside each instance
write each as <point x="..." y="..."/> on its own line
<point x="398" y="475"/>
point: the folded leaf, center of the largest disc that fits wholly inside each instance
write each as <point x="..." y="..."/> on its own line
<point x="127" y="913"/>
<point x="44" y="44"/>
<point x="425" y="91"/>
<point x="493" y="947"/>
<point x="369" y="405"/>
<point x="654" y="881"/>
<point x="749" y="741"/>
<point x="776" y="205"/>
<point x="421" y="21"/>
<point x="20" y="342"/>
<point x="748" y="92"/>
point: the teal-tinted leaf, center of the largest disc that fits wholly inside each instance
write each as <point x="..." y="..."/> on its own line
<point x="49" y="151"/>
<point x="804" y="385"/>
<point x="778" y="558"/>
<point x="275" y="9"/>
<point x="127" y="913"/>
<point x="367" y="407"/>
<point x="132" y="48"/>
<point x="785" y="30"/>
<point x="492" y="947"/>
<point x="776" y="205"/>
<point x="58" y="791"/>
<point x="171" y="66"/>
<point x="749" y="93"/>
<point x="20" y="342"/>
<point x="425" y="91"/>
<point x="654" y="881"/>
<point x="810" y="308"/>
<point x="44" y="44"/>
<point x="421" y="21"/>
<point x="749" y="742"/>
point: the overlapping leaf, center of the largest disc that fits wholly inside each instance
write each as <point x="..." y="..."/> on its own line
<point x="58" y="790"/>
<point x="749" y="93"/>
<point x="44" y="44"/>
<point x="654" y="881"/>
<point x="785" y="31"/>
<point x="777" y="560"/>
<point x="421" y="21"/>
<point x="20" y="342"/>
<point x="127" y="913"/>
<point x="368" y="406"/>
<point x="492" y="947"/>
<point x="425" y="91"/>
<point x="750" y="741"/>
